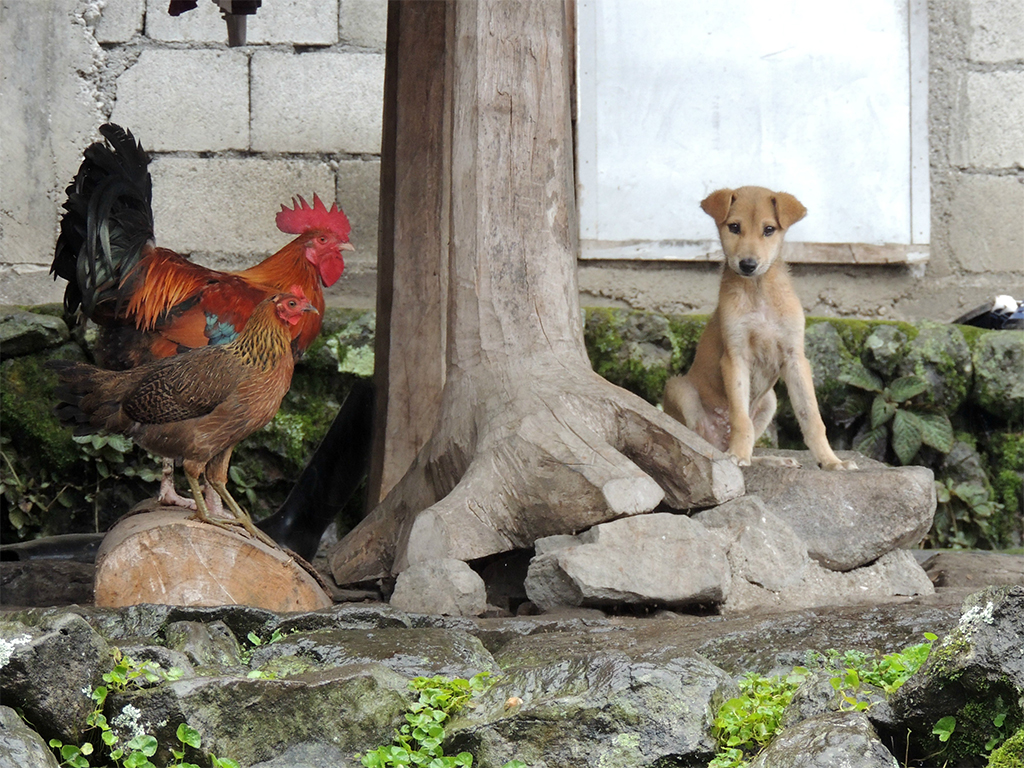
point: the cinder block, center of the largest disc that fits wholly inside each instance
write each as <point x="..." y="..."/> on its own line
<point x="186" y="100"/>
<point x="298" y="22"/>
<point x="359" y="197"/>
<point x="364" y="23"/>
<point x="24" y="286"/>
<point x="990" y="132"/>
<point x="203" y="24"/>
<point x="50" y="108"/>
<point x="986" y="229"/>
<point x="317" y="102"/>
<point x="228" y="205"/>
<point x="997" y="30"/>
<point x="119" y="22"/>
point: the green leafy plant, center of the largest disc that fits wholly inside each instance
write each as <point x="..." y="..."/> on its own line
<point x="275" y="636"/>
<point x="242" y="485"/>
<point x="964" y="512"/>
<point x="32" y="492"/>
<point x="898" y="418"/>
<point x="420" y="741"/>
<point x="28" y="494"/>
<point x="256" y="641"/>
<point x="746" y="723"/>
<point x="944" y="728"/>
<point x="128" y="674"/>
<point x="887" y="672"/>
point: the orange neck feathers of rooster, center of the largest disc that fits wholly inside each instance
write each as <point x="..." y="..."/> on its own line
<point x="165" y="282"/>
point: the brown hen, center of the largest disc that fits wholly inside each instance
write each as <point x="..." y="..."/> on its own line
<point x="196" y="406"/>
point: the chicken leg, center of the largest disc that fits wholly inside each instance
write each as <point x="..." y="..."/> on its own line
<point x="241" y="517"/>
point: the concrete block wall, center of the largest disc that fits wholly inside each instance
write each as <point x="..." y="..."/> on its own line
<point x="236" y="132"/>
<point x="976" y="101"/>
<point x="233" y="132"/>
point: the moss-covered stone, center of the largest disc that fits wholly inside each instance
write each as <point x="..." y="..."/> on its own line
<point x="27" y="401"/>
<point x="1010" y="754"/>
<point x="974" y="674"/>
<point x="634" y="350"/>
<point x="686" y="332"/>
<point x="939" y="354"/>
<point x="884" y="348"/>
<point x="23" y="332"/>
<point x="999" y="374"/>
<point x="1006" y="452"/>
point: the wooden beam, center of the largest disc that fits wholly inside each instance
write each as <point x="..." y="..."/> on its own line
<point x="412" y="263"/>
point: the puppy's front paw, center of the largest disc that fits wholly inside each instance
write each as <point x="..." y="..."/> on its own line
<point x="840" y="465"/>
<point x="739" y="461"/>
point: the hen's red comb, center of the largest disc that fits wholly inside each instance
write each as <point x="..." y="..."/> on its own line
<point x="305" y="217"/>
<point x="296" y="290"/>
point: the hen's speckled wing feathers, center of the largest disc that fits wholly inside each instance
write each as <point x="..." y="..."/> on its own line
<point x="184" y="387"/>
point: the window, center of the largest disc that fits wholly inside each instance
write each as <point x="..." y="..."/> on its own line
<point x="826" y="100"/>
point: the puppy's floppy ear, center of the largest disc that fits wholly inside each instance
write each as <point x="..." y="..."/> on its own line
<point x="788" y="209"/>
<point x="717" y="204"/>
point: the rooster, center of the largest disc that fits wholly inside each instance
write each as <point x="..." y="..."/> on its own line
<point x="151" y="302"/>
<point x="196" y="406"/>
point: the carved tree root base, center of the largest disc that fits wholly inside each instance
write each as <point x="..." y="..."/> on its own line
<point x="551" y="450"/>
<point x="163" y="557"/>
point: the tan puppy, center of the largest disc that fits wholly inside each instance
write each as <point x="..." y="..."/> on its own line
<point x="755" y="335"/>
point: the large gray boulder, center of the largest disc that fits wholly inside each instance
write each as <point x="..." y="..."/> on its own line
<point x="834" y="740"/>
<point x="979" y="660"/>
<point x="440" y="587"/>
<point x="47" y="670"/>
<point x="847" y="519"/>
<point x="998" y="384"/>
<point x="762" y="549"/>
<point x="739" y="555"/>
<point x="771" y="570"/>
<point x="20" y="746"/>
<point x="617" y="700"/>
<point x="894" y="576"/>
<point x="656" y="558"/>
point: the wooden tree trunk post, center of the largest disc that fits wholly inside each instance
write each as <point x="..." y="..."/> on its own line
<point x="529" y="441"/>
<point x="412" y="261"/>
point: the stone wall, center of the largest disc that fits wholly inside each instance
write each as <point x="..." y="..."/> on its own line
<point x="236" y="132"/>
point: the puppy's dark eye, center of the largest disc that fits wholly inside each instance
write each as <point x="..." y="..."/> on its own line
<point x="769" y="231"/>
<point x="734" y="227"/>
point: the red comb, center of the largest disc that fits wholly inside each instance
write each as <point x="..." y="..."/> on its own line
<point x="296" y="290"/>
<point x="305" y="217"/>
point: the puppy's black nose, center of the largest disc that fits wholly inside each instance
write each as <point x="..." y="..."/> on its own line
<point x="748" y="266"/>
